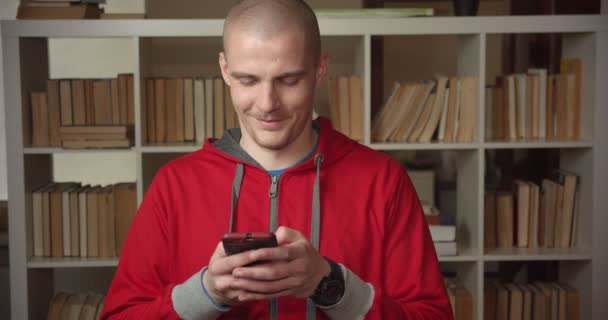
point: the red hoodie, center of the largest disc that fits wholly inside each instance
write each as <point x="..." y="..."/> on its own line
<point x="371" y="222"/>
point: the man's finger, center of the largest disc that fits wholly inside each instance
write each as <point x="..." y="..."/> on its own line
<point x="253" y="296"/>
<point x="267" y="271"/>
<point x="288" y="235"/>
<point x="225" y="264"/>
<point x="266" y="287"/>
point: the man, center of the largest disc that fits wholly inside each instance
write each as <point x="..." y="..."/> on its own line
<point x="352" y="239"/>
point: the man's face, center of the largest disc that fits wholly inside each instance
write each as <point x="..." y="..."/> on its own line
<point x="272" y="83"/>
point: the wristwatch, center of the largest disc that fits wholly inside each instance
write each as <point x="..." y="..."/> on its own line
<point x="331" y="288"/>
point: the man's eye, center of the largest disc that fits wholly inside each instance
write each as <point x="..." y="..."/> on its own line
<point x="290" y="81"/>
<point x="247" y="81"/>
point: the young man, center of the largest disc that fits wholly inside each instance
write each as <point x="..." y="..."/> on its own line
<point x="353" y="243"/>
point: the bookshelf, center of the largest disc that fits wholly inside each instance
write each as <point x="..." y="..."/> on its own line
<point x="25" y="50"/>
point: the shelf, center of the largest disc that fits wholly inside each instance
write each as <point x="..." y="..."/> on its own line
<point x="329" y="27"/>
<point x="71" y="262"/>
<point x="67" y="151"/>
<point x="171" y="148"/>
<point x="458" y="258"/>
<point x="424" y="146"/>
<point x="538" y="254"/>
<point x="538" y="145"/>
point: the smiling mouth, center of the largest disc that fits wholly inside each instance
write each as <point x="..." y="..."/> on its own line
<point x="270" y="123"/>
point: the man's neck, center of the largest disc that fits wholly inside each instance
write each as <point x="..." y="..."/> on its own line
<point x="280" y="159"/>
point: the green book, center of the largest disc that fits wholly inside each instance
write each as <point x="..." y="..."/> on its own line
<point x="374" y="13"/>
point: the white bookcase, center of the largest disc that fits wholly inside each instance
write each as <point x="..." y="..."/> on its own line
<point x="194" y="45"/>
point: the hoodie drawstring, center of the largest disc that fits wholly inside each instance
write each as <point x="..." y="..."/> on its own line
<point x="236" y="189"/>
<point x="311" y="308"/>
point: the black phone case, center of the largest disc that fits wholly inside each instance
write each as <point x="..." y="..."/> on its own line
<point x="240" y="242"/>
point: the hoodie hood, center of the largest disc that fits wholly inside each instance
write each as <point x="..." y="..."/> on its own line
<point x="333" y="145"/>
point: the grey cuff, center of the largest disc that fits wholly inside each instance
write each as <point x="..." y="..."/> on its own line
<point x="191" y="302"/>
<point x="357" y="300"/>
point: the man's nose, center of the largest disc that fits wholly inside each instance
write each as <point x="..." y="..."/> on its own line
<point x="267" y="98"/>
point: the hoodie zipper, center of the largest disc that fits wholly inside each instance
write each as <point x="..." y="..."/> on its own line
<point x="273" y="193"/>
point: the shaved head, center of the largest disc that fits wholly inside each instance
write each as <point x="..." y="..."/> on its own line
<point x="268" y="18"/>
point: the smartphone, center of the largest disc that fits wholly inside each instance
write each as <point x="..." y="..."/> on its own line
<point x="237" y="242"/>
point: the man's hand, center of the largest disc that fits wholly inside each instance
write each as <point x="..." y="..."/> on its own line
<point x="218" y="278"/>
<point x="294" y="268"/>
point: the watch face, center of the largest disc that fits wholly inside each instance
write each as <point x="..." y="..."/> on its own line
<point x="332" y="292"/>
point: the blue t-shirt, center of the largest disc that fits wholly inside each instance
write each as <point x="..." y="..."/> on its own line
<point x="278" y="172"/>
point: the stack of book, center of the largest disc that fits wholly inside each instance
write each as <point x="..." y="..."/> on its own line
<point x="538" y="300"/>
<point x="80" y="102"/>
<point x="84" y="137"/>
<point x="418" y="111"/>
<point x="461" y="299"/>
<point x="346" y="106"/>
<point x="535" y="105"/>
<point x="71" y="220"/>
<point x="187" y="109"/>
<point x="533" y="216"/>
<point x="60" y="9"/>
<point x="443" y="232"/>
<point x="75" y="306"/>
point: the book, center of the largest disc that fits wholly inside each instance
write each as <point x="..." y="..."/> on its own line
<point x="199" y="110"/>
<point x="452" y="113"/>
<point x="573" y="66"/>
<point x="443" y="232"/>
<point x="150" y="111"/>
<point x="115" y="101"/>
<point x="468" y="110"/>
<point x="54" y="112"/>
<point x="40" y="119"/>
<point x="82" y="220"/>
<point x="522" y="189"/>
<point x="232" y="120"/>
<point x="76" y="11"/>
<point x="438" y="105"/>
<point x="344" y="105"/>
<point x="56" y="304"/>
<point x="209" y="108"/>
<point x="218" y="107"/>
<point x="489" y="220"/>
<point x="504" y="219"/>
<point x="89" y="98"/>
<point x="65" y="100"/>
<point x="446" y="248"/>
<point x="92" y="219"/>
<point x="374" y="13"/>
<point x="102" y="102"/>
<point x="107" y="226"/>
<point x="334" y="102"/>
<point x="188" y="109"/>
<point x="171" y="110"/>
<point x="78" y="102"/>
<point x="569" y="182"/>
<point x="179" y="110"/>
<point x="125" y="207"/>
<point x="160" y="110"/>
<point x="96" y="144"/>
<point x="356" y="108"/>
<point x="515" y="302"/>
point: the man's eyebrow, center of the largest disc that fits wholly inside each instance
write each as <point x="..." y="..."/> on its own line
<point x="295" y="73"/>
<point x="238" y="74"/>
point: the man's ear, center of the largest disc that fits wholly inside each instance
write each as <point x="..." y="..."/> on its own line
<point x="322" y="68"/>
<point x="224" y="67"/>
